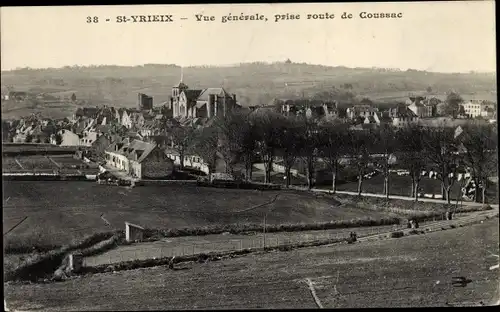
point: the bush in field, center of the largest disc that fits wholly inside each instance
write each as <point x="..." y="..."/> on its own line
<point x="397" y="234"/>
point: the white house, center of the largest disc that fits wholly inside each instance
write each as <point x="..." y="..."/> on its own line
<point x="68" y="138"/>
<point x="402" y="116"/>
<point x="88" y="138"/>
<point x="139" y="159"/>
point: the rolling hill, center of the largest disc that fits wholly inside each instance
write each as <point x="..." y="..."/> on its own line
<point x="253" y="83"/>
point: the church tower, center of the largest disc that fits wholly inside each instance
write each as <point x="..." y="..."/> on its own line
<point x="176" y="92"/>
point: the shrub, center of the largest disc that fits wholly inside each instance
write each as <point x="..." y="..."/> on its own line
<point x="397" y="234"/>
<point x="154" y="234"/>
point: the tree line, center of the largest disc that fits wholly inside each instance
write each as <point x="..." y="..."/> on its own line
<point x="248" y="138"/>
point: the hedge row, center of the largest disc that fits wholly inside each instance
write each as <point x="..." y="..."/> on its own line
<point x="152" y="234"/>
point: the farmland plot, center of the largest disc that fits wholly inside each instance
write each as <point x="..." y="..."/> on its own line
<point x="37" y="162"/>
<point x="9" y="164"/>
<point x="414" y="271"/>
<point x="59" y="212"/>
<point x="68" y="162"/>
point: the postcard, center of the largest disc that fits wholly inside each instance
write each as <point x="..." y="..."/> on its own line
<point x="220" y="156"/>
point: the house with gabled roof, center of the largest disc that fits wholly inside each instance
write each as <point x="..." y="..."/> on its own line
<point x="126" y="118"/>
<point x="140" y="159"/>
<point x="421" y="106"/>
<point x="361" y="110"/>
<point x="402" y="115"/>
<point x="86" y="112"/>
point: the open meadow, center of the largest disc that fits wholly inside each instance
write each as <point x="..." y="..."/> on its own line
<point x="61" y="212"/>
<point x="64" y="164"/>
<point x="414" y="271"/>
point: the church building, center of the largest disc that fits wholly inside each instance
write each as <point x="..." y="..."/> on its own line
<point x="201" y="103"/>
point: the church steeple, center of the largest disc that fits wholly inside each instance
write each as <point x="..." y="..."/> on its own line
<point x="181" y="86"/>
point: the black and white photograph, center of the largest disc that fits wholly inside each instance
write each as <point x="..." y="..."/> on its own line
<point x="249" y="156"/>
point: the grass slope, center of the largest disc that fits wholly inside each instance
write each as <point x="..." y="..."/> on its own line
<point x="60" y="212"/>
<point x="413" y="271"/>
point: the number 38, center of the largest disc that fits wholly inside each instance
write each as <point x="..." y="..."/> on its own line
<point x="91" y="19"/>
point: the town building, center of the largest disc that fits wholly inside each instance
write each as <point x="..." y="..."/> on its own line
<point x="144" y="102"/>
<point x="421" y="106"/>
<point x="402" y="116"/>
<point x="67" y="138"/>
<point x="479" y="108"/>
<point x="361" y="110"/>
<point x="86" y="112"/>
<point x="88" y="137"/>
<point x="305" y="107"/>
<point x="139" y="159"/>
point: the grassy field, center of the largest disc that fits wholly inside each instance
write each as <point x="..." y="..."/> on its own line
<point x="414" y="271"/>
<point x="60" y="212"/>
<point x="39" y="163"/>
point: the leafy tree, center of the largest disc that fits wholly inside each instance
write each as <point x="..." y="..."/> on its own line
<point x="366" y="101"/>
<point x="29" y="138"/>
<point x="453" y="101"/>
<point x="58" y="138"/>
<point x="429" y="89"/>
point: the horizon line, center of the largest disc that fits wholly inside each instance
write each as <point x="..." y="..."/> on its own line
<point x="395" y="69"/>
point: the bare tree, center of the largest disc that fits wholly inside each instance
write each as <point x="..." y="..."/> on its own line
<point x="386" y="142"/>
<point x="480" y="155"/>
<point x="181" y="138"/>
<point x="231" y="134"/>
<point x="440" y="149"/>
<point x="333" y="144"/>
<point x="267" y="133"/>
<point x="205" y="143"/>
<point x="289" y="145"/>
<point x="359" y="150"/>
<point x="410" y="155"/>
<point x="308" y="147"/>
<point x="248" y="146"/>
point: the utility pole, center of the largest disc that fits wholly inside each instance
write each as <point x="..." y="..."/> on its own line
<point x="265" y="218"/>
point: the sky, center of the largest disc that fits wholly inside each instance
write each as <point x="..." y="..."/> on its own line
<point x="434" y="36"/>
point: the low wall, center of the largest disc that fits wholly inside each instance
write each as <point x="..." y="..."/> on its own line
<point x="45" y="177"/>
<point x="166" y="182"/>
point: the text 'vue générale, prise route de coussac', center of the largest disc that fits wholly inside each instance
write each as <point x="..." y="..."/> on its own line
<point x="166" y="18"/>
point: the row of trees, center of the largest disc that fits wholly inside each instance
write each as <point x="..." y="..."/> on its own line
<point x="249" y="138"/>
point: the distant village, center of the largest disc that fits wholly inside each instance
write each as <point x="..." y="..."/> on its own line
<point x="123" y="138"/>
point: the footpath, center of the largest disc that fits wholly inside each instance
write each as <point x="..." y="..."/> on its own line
<point x="191" y="245"/>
